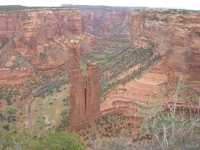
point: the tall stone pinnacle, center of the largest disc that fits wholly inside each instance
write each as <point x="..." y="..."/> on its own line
<point x="84" y="103"/>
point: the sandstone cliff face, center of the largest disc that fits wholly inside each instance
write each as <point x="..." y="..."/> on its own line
<point x="176" y="37"/>
<point x="107" y="22"/>
<point x="77" y="91"/>
<point x="92" y="91"/>
<point x="84" y="103"/>
<point x="31" y="28"/>
<point x="37" y="38"/>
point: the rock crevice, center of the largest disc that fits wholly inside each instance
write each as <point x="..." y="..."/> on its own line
<point x="84" y="102"/>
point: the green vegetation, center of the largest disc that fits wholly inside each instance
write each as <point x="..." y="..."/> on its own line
<point x="56" y="113"/>
<point x="117" y="38"/>
<point x="64" y="112"/>
<point x="18" y="138"/>
<point x="102" y="62"/>
<point x="109" y="126"/>
<point x="11" y="110"/>
<point x="6" y="127"/>
<point x="123" y="61"/>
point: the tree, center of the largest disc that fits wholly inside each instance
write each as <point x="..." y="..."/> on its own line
<point x="172" y="125"/>
<point x="61" y="141"/>
<point x="11" y="110"/>
<point x="167" y="125"/>
<point x="19" y="139"/>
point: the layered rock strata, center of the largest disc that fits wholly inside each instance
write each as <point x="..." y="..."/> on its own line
<point x="176" y="35"/>
<point x="37" y="39"/>
<point x="109" y="22"/>
<point x="92" y="91"/>
<point x="84" y="103"/>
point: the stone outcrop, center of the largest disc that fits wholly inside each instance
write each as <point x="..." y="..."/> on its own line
<point x="77" y="90"/>
<point x="84" y="103"/>
<point x="176" y="34"/>
<point x="92" y="91"/>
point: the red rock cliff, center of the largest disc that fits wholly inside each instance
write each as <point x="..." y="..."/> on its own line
<point x="37" y="38"/>
<point x="107" y="21"/>
<point x="77" y="90"/>
<point x="177" y="36"/>
<point x="84" y="103"/>
<point x="92" y="91"/>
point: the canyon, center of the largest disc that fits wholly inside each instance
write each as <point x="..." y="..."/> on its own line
<point x="174" y="35"/>
<point x="90" y="63"/>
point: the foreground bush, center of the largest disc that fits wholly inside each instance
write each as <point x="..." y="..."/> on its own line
<point x="19" y="139"/>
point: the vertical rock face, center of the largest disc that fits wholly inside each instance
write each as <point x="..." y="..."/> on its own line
<point x="77" y="92"/>
<point x="177" y="37"/>
<point x="110" y="22"/>
<point x="36" y="39"/>
<point x="29" y="29"/>
<point x="84" y="103"/>
<point x="92" y="91"/>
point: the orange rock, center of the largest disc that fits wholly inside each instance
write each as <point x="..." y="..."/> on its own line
<point x="176" y="37"/>
<point x="38" y="36"/>
<point x="11" y="61"/>
<point x="84" y="103"/>
<point x="92" y="91"/>
<point x="107" y="22"/>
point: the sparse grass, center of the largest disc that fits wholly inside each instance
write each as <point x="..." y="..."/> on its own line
<point x="47" y="112"/>
<point x="102" y="62"/>
<point x="110" y="125"/>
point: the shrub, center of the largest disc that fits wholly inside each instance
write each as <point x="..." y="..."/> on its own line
<point x="64" y="112"/>
<point x="18" y="138"/>
<point x="6" y="127"/>
<point x="11" y="110"/>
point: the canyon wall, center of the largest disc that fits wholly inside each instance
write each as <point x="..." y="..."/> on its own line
<point x="84" y="103"/>
<point x="176" y="35"/>
<point x="108" y="21"/>
<point x="37" y="39"/>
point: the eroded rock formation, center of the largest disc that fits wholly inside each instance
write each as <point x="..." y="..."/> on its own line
<point x="84" y="103"/>
<point x="92" y="91"/>
<point x="37" y="39"/>
<point x="176" y="34"/>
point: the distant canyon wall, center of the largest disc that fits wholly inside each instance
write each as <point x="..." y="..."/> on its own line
<point x="36" y="40"/>
<point x="176" y="33"/>
<point x="107" y="22"/>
